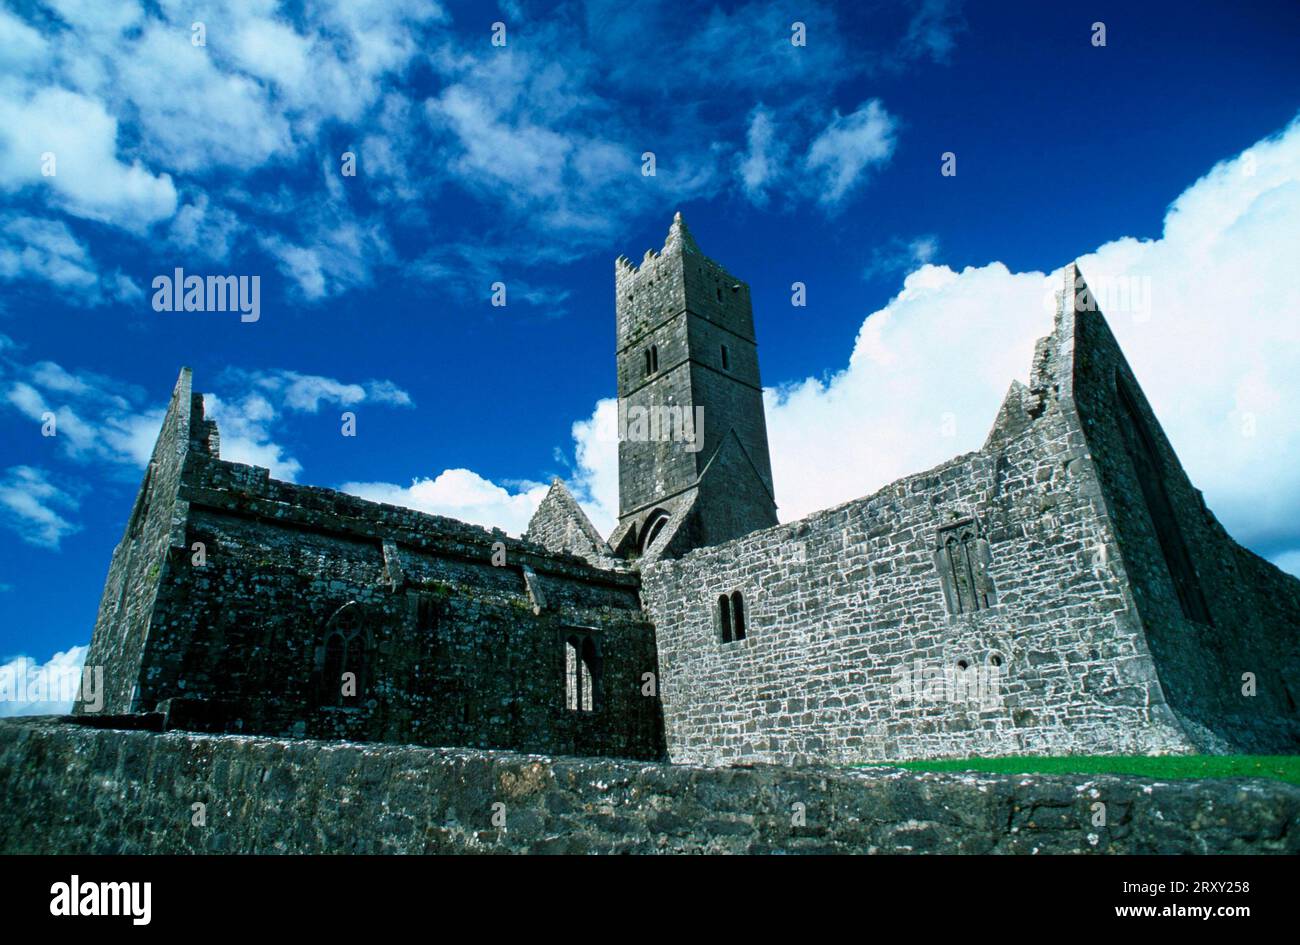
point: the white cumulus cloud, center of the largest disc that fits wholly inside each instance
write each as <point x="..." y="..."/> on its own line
<point x="1205" y="314"/>
<point x="49" y="688"/>
<point x="462" y="495"/>
<point x="53" y="129"/>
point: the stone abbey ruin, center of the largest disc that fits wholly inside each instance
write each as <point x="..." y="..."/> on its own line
<point x="1062" y="590"/>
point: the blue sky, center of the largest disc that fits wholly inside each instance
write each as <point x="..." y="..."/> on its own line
<point x="1167" y="155"/>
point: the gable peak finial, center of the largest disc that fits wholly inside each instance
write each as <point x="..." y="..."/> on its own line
<point x="680" y="235"/>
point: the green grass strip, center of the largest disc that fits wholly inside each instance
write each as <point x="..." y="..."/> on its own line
<point x="1278" y="767"/>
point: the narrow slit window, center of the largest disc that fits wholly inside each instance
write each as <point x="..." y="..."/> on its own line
<point x="737" y="615"/>
<point x="726" y="361"/>
<point x="572" y="679"/>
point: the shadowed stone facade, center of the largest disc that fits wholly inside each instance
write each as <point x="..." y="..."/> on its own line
<point x="1062" y="590"/>
<point x="452" y="635"/>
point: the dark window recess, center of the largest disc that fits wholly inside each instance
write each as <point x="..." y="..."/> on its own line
<point x="651" y="360"/>
<point x="726" y="362"/>
<point x="426" y="618"/>
<point x="961" y="557"/>
<point x="1150" y="472"/>
<point x="719" y="293"/>
<point x="583" y="671"/>
<point x="731" y="617"/>
<point x="344" y="652"/>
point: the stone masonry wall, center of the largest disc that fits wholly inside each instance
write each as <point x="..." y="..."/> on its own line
<point x="464" y="631"/>
<point x="1252" y="609"/>
<point x="560" y="525"/>
<point x="126" y="606"/>
<point x="844" y="606"/>
<point x="70" y="789"/>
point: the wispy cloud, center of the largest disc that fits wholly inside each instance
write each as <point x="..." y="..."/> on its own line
<point x="898" y="256"/>
<point x="933" y="31"/>
<point x="540" y="137"/>
<point x="848" y="147"/>
<point x="100" y="421"/>
<point x="33" y="507"/>
<point x="44" y="251"/>
<point x="762" y="162"/>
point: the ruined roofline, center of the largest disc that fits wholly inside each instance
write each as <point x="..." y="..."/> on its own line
<point x="1059" y="343"/>
<point x="812" y="518"/>
<point x="239" y="489"/>
<point x="208" y="481"/>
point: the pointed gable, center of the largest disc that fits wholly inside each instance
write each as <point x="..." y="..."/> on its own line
<point x="560" y="525"/>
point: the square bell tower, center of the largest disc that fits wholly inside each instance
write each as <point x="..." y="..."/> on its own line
<point x="693" y="459"/>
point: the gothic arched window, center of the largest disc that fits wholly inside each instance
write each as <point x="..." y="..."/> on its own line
<point x="653" y="526"/>
<point x="343" y="657"/>
<point x="962" y="558"/>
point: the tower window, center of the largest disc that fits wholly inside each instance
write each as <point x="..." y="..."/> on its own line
<point x="583" y="669"/>
<point x="731" y="617"/>
<point x="651" y="360"/>
<point x="726" y="362"/>
<point x="719" y="293"/>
